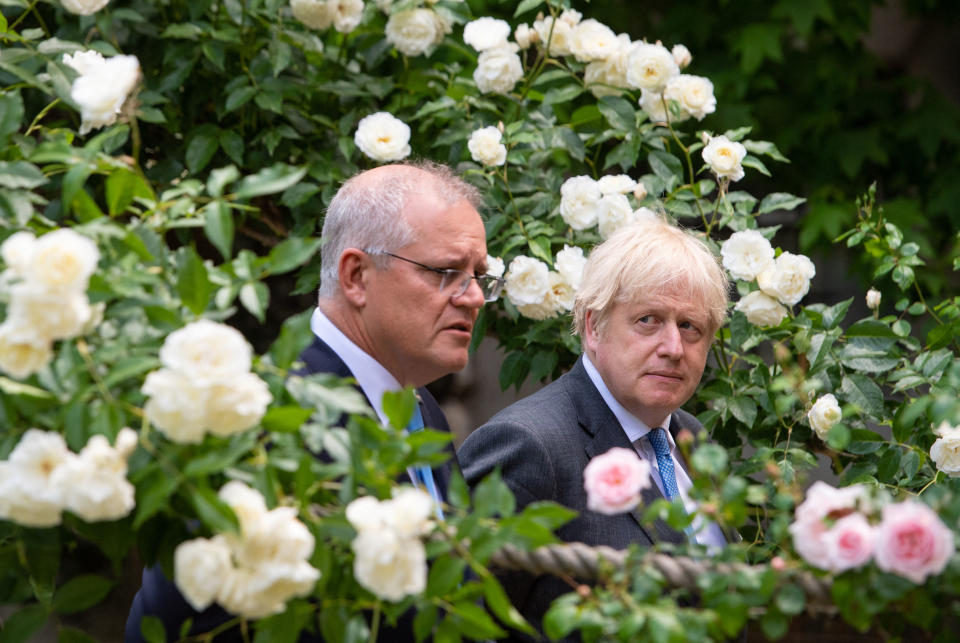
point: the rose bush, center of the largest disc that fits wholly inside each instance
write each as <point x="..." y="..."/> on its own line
<point x="180" y="188"/>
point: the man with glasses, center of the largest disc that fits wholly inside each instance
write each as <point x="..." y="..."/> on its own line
<point x="402" y="279"/>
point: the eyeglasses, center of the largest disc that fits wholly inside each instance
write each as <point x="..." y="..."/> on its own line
<point x="457" y="281"/>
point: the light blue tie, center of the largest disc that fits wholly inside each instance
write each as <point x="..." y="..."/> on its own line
<point x="423" y="474"/>
<point x="658" y="439"/>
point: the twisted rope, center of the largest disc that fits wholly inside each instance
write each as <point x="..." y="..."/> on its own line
<point x="584" y="562"/>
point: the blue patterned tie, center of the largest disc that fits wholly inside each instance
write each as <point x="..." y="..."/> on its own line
<point x="658" y="439"/>
<point x="423" y="474"/>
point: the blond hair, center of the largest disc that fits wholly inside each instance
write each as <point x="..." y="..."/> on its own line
<point x="646" y="258"/>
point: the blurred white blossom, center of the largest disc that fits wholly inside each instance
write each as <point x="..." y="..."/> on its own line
<point x="725" y="157"/>
<point x="945" y="451"/>
<point x="824" y="414"/>
<point x="84" y="7"/>
<point x="578" y="202"/>
<point x="788" y="279"/>
<point x="873" y="299"/>
<point x="486" y="33"/>
<point x="527" y="281"/>
<point x="746" y="254"/>
<point x="761" y="309"/>
<point x="486" y="148"/>
<point x="681" y="55"/>
<point x="383" y="137"/>
<point x="102" y="88"/>
<point x="346" y="14"/>
<point x="650" y="66"/>
<point x="414" y="32"/>
<point x="495" y="266"/>
<point x="570" y="263"/>
<point x="591" y="40"/>
<point x="316" y="14"/>
<point x="613" y="212"/>
<point x="616" y="184"/>
<point x="498" y="69"/>
<point x="694" y="94"/>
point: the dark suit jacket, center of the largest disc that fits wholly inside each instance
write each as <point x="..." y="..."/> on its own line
<point x="158" y="596"/>
<point x="542" y="445"/>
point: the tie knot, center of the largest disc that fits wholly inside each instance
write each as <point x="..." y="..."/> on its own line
<point x="658" y="439"/>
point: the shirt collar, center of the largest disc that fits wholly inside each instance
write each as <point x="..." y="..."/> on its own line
<point x="632" y="425"/>
<point x="372" y="378"/>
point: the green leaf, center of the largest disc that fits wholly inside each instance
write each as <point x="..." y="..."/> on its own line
<point x="220" y="178"/>
<point x="20" y="174"/>
<point x="779" y="201"/>
<point x="497" y="600"/>
<point x="73" y="182"/>
<point x="446" y="573"/>
<point x="286" y="626"/>
<point x="218" y="226"/>
<point x="222" y="458"/>
<point x="619" y="112"/>
<point x="193" y="283"/>
<point x="492" y="496"/>
<point x="153" y="491"/>
<point x="864" y="393"/>
<point x="474" y="619"/>
<point x="665" y="165"/>
<point x="791" y="599"/>
<point x="201" y="148"/>
<point x="152" y="629"/>
<point x="21" y="626"/>
<point x="292" y="253"/>
<point x="232" y="145"/>
<point x="11" y="112"/>
<point x="122" y="187"/>
<point x="755" y="163"/>
<point x="239" y="97"/>
<point x="74" y="635"/>
<point x="295" y="335"/>
<point x="255" y="296"/>
<point x="710" y="459"/>
<point x="563" y="94"/>
<point x="527" y="5"/>
<point x="757" y="42"/>
<point x="275" y="178"/>
<point x="398" y="406"/>
<point x="285" y="419"/>
<point x="213" y="511"/>
<point x="80" y="593"/>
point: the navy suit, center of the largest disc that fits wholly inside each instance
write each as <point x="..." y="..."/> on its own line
<point x="158" y="596"/>
<point x="542" y="445"/>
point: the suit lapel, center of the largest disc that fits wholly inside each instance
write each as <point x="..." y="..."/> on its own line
<point x="605" y="433"/>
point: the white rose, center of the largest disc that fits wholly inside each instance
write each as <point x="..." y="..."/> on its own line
<point x="486" y="33"/>
<point x="176" y="406"/>
<point x="645" y="214"/>
<point x="824" y="414"/>
<point x="263" y="591"/>
<point x="277" y="537"/>
<point x="22" y="352"/>
<point x="346" y="14"/>
<point x="578" y="202"/>
<point x="316" y="14"/>
<point x="495" y="266"/>
<point x="247" y="503"/>
<point x="571" y="17"/>
<point x="570" y="263"/>
<point x="94" y="485"/>
<point x="761" y="309"/>
<point x="51" y="315"/>
<point x="788" y="279"/>
<point x="207" y="352"/>
<point x="559" y="39"/>
<point x="498" y="69"/>
<point x="746" y="254"/>
<point x="383" y="137"/>
<point x="650" y="67"/>
<point x="84" y="62"/>
<point x="653" y="104"/>
<point x="681" y="55"/>
<point x="414" y="32"/>
<point x="693" y="93"/>
<point x="640" y="192"/>
<point x="527" y="281"/>
<point x="725" y="157"/>
<point x="592" y="40"/>
<point x="101" y="92"/>
<point x="873" y="299"/>
<point x="62" y="261"/>
<point x="945" y="451"/>
<point x="485" y="146"/>
<point x="616" y="184"/>
<point x="392" y="568"/>
<point x="16" y="251"/>
<point x="613" y="212"/>
<point x="27" y="493"/>
<point x="237" y="405"/>
<point x="199" y="567"/>
<point x="365" y="513"/>
<point x="409" y="512"/>
<point x="84" y="7"/>
<point x="561" y="294"/>
<point x="525" y="36"/>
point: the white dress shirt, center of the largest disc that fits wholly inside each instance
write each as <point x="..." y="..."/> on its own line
<point x="635" y="429"/>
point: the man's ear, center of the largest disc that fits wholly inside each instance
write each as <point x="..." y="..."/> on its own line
<point x="353" y="271"/>
<point x="590" y="333"/>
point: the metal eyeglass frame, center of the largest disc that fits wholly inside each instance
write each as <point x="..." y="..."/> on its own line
<point x="490" y="286"/>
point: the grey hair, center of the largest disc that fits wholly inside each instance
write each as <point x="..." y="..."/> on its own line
<point x="367" y="211"/>
<point x="649" y="257"/>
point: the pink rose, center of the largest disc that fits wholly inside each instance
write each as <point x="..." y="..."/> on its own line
<point x="824" y="501"/>
<point x="849" y="543"/>
<point x="912" y="541"/>
<point x="613" y="481"/>
<point x="810" y="541"/>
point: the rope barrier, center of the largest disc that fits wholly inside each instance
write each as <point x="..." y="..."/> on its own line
<point x="584" y="562"/>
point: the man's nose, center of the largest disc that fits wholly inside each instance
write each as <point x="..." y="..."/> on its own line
<point x="671" y="343"/>
<point x="472" y="297"/>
